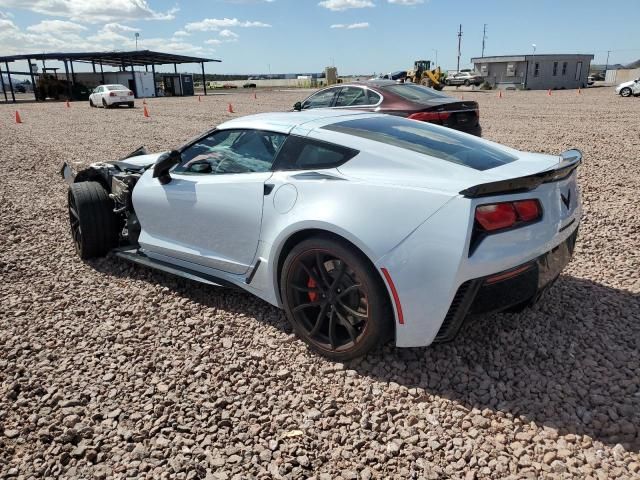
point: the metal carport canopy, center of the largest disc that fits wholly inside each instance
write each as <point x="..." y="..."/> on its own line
<point x="135" y="58"/>
<point x="115" y="59"/>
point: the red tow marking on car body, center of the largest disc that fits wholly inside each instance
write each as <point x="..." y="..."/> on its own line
<point x="508" y="274"/>
<point x="394" y="293"/>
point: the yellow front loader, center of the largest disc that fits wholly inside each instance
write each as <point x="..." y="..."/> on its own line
<point x="422" y="74"/>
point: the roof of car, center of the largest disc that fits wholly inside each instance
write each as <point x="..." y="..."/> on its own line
<point x="376" y="83"/>
<point x="284" y="122"/>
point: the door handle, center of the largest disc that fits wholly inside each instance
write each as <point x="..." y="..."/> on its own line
<point x="268" y="188"/>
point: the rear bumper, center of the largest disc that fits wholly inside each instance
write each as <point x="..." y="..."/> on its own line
<point x="517" y="286"/>
<point x="475" y="130"/>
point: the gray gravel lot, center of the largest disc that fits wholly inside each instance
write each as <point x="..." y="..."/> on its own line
<point x="108" y="370"/>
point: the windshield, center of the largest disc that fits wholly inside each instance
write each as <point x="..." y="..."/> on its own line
<point x="415" y="93"/>
<point x="115" y="87"/>
<point x="422" y="137"/>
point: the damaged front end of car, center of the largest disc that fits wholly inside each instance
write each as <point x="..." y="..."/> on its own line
<point x="118" y="178"/>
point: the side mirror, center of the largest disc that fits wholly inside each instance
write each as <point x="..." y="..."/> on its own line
<point x="164" y="164"/>
<point x="297" y="107"/>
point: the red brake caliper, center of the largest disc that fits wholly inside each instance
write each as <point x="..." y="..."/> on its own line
<point x="312" y="284"/>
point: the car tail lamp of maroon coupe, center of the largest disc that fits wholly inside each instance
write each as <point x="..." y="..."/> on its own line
<point x="403" y="99"/>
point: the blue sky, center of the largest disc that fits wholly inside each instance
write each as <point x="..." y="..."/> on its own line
<point x="359" y="36"/>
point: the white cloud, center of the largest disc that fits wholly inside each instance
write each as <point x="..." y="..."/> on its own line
<point x="351" y="26"/>
<point x="181" y="33"/>
<point x="339" y="5"/>
<point x="93" y="11"/>
<point x="406" y="2"/>
<point x="228" y="34"/>
<point x="58" y="36"/>
<point x="6" y="15"/>
<point x="6" y="26"/>
<point x="213" y="41"/>
<point x="61" y="27"/>
<point x="209" y="24"/>
<point x="118" y="27"/>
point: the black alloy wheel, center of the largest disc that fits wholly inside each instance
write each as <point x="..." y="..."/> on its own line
<point x="94" y="226"/>
<point x="334" y="299"/>
<point x="74" y="221"/>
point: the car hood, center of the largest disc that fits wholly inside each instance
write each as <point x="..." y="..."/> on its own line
<point x="138" y="162"/>
<point x="626" y="84"/>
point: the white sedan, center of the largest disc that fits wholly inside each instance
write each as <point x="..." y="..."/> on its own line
<point x="111" y="96"/>
<point x="630" y="88"/>
<point x="361" y="226"/>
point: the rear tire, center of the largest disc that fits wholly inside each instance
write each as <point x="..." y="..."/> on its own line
<point x="104" y="103"/>
<point x="130" y="104"/>
<point x="91" y="104"/>
<point x="625" y="92"/>
<point x="467" y="83"/>
<point x="335" y="299"/>
<point x="94" y="226"/>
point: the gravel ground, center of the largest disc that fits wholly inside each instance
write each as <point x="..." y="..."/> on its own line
<point x="109" y="370"/>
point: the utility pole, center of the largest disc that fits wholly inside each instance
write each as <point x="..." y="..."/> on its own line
<point x="459" y="44"/>
<point x="607" y="65"/>
<point x="484" y="37"/>
<point x="137" y="35"/>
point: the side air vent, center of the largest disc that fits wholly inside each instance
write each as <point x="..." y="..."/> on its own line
<point x="457" y="311"/>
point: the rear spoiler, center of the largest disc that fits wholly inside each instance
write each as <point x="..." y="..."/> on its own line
<point x="569" y="161"/>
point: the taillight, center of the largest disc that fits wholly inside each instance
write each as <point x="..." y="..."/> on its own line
<point x="112" y="94"/>
<point x="130" y="93"/>
<point x="429" y="116"/>
<point x="528" y="210"/>
<point x="498" y="216"/>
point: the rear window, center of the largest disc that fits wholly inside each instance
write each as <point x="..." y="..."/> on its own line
<point x="424" y="138"/>
<point x="415" y="93"/>
<point x="300" y="153"/>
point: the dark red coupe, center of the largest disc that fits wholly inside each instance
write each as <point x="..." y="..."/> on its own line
<point x="402" y="99"/>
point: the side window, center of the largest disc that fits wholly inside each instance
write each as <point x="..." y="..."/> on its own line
<point x="536" y="69"/>
<point x="301" y="153"/>
<point x="374" y="98"/>
<point x="231" y="151"/>
<point x="352" y="97"/>
<point x="320" y="99"/>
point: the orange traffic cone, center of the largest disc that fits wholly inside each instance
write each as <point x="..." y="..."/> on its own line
<point x="499" y="93"/>
<point x="18" y="119"/>
<point x="68" y="105"/>
<point x="549" y="92"/>
<point x="230" y="109"/>
<point x="144" y="101"/>
<point x="579" y="92"/>
<point x="145" y="112"/>
<point x="462" y="97"/>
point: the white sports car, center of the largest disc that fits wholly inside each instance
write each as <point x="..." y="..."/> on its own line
<point x="111" y="96"/>
<point x="361" y="226"/>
